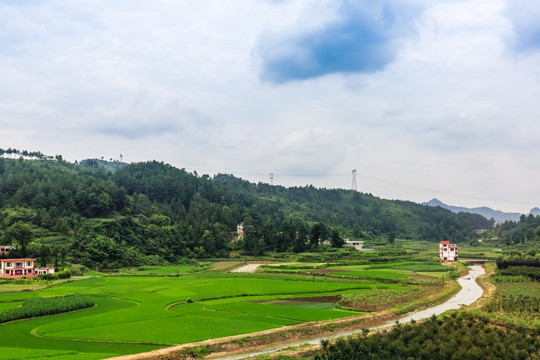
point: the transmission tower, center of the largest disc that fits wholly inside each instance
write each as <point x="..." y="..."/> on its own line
<point x="271" y="178"/>
<point x="353" y="187"/>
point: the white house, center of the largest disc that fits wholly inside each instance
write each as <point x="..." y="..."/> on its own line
<point x="447" y="251"/>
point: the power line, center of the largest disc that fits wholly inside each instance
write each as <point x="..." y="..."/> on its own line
<point x="375" y="178"/>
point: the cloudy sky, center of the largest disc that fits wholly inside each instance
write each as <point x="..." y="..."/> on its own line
<point x="424" y="98"/>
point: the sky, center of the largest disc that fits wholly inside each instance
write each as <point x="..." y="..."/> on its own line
<point x="424" y="98"/>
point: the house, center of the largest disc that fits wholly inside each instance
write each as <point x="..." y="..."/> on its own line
<point x="6" y="249"/>
<point x="18" y="268"/>
<point x="447" y="251"/>
<point x="358" y="245"/>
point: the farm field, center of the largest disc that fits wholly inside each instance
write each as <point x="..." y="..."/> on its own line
<point x="399" y="271"/>
<point x="141" y="313"/>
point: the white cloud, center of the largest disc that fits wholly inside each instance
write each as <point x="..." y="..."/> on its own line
<point x="454" y="112"/>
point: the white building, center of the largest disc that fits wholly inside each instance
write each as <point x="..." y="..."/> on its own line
<point x="447" y="251"/>
<point x="358" y="245"/>
<point x="18" y="268"/>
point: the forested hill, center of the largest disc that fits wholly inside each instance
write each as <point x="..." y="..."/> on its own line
<point x="147" y="213"/>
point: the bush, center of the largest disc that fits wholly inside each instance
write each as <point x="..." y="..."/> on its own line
<point x="77" y="269"/>
<point x="45" y="277"/>
<point x="64" y="274"/>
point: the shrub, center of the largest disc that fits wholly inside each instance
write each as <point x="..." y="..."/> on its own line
<point x="77" y="269"/>
<point x="64" y="274"/>
<point x="45" y="277"/>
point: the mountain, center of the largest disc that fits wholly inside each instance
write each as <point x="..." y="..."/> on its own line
<point x="488" y="213"/>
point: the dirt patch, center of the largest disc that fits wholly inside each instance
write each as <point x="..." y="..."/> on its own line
<point x="225" y="265"/>
<point x="319" y="299"/>
<point x="249" y="268"/>
<point x="301" y="300"/>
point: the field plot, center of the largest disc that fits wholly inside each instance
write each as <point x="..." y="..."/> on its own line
<point x="141" y="313"/>
<point x="402" y="271"/>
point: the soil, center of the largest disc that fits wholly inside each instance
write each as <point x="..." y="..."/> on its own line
<point x="318" y="299"/>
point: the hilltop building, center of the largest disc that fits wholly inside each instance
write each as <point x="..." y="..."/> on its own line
<point x="240" y="231"/>
<point x="18" y="268"/>
<point x="447" y="251"/>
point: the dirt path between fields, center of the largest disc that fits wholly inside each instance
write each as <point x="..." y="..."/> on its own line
<point x="269" y="341"/>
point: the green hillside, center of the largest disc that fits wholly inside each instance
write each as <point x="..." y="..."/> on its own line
<point x="151" y="213"/>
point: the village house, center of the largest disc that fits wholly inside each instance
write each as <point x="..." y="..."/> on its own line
<point x="18" y="268"/>
<point x="447" y="251"/>
<point x="358" y="245"/>
<point x="240" y="231"/>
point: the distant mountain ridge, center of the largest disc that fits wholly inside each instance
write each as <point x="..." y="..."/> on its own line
<point x="488" y="213"/>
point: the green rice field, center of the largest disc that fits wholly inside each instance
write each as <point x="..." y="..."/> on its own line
<point x="141" y="313"/>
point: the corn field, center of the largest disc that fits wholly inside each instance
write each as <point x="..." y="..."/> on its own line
<point x="45" y="306"/>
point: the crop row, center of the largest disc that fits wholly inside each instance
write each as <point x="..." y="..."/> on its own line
<point x="45" y="306"/>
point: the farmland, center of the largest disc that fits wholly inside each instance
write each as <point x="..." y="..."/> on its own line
<point x="151" y="310"/>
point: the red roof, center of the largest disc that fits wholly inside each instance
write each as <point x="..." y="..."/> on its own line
<point x="445" y="242"/>
<point x="16" y="260"/>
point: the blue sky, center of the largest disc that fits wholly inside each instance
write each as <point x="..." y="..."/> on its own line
<point x="424" y="98"/>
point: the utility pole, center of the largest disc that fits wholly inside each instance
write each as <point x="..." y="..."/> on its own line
<point x="353" y="187"/>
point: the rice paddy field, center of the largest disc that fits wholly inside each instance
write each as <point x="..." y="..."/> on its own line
<point x="150" y="310"/>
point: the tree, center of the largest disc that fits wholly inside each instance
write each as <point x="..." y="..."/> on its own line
<point x="44" y="253"/>
<point x="21" y="234"/>
<point x="337" y="241"/>
<point x="318" y="234"/>
<point x="391" y="238"/>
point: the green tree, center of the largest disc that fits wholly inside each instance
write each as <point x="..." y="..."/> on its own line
<point x="20" y="234"/>
<point x="337" y="241"/>
<point x="44" y="253"/>
<point x="318" y="234"/>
